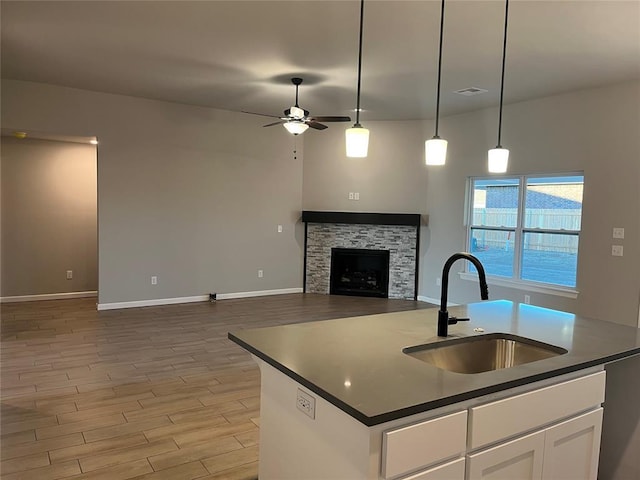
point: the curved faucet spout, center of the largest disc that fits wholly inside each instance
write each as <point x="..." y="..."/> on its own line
<point x="443" y="314"/>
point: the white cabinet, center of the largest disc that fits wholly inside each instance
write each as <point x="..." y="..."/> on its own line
<point x="416" y="446"/>
<point x="571" y="448"/>
<point x="449" y="471"/>
<point x="544" y="433"/>
<point x="519" y="459"/>
<point x="511" y="416"/>
<point x="566" y="451"/>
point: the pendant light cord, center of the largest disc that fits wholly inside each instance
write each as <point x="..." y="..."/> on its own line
<point x="439" y="69"/>
<point x="504" y="58"/>
<point x="359" y="65"/>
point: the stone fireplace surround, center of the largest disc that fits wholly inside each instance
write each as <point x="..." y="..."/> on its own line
<point x="397" y="232"/>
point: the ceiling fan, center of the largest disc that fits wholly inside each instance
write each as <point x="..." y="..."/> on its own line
<point x="296" y="120"/>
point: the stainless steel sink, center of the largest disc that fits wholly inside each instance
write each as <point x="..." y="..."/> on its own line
<point x="483" y="353"/>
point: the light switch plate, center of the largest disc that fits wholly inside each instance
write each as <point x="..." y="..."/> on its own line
<point x="618" y="232"/>
<point x="617" y="250"/>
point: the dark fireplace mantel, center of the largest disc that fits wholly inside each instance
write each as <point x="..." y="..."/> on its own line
<point x="397" y="232"/>
<point x="410" y="219"/>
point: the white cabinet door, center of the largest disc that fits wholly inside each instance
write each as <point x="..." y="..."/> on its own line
<point x="449" y="471"/>
<point x="572" y="448"/>
<point x="417" y="446"/>
<point x="519" y="459"/>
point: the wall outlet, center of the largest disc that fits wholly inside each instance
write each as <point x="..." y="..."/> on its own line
<point x="154" y="280"/>
<point x="617" y="250"/>
<point x="69" y="274"/>
<point x="356" y="195"/>
<point x="527" y="299"/>
<point x="306" y="404"/>
<point x="618" y="232"/>
<point x="351" y="195"/>
<point x="260" y="273"/>
<point x="213" y="297"/>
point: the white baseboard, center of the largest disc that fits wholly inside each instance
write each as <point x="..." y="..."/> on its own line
<point x="422" y="298"/>
<point x="48" y="296"/>
<point x="259" y="293"/>
<point x="435" y="301"/>
<point x="196" y="298"/>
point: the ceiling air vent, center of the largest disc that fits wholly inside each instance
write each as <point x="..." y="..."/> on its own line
<point x="468" y="92"/>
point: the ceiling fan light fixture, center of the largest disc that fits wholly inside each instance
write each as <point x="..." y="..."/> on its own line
<point x="296" y="112"/>
<point x="498" y="160"/>
<point x="357" y="140"/>
<point x="435" y="151"/>
<point x="357" y="137"/>
<point x="296" y="127"/>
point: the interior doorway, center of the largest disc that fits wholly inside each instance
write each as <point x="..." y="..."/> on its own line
<point x="49" y="216"/>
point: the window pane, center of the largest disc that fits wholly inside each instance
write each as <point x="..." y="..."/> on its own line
<point x="554" y="203"/>
<point x="495" y="202"/>
<point x="494" y="249"/>
<point x="550" y="258"/>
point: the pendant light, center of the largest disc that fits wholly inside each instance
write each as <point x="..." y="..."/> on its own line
<point x="357" y="137"/>
<point x="435" y="150"/>
<point x="499" y="157"/>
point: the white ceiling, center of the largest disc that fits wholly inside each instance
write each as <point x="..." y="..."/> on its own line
<point x="239" y="55"/>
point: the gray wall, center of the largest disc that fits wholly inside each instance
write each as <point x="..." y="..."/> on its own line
<point x="49" y="217"/>
<point x="192" y="195"/>
<point x="392" y="179"/>
<point x="595" y="131"/>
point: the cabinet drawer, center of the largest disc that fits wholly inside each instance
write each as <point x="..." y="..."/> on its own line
<point x="449" y="471"/>
<point x="514" y="415"/>
<point x="416" y="446"/>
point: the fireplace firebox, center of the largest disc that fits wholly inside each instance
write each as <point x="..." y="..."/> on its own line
<point x="359" y="272"/>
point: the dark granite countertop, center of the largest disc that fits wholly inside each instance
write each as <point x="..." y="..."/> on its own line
<point x="358" y="365"/>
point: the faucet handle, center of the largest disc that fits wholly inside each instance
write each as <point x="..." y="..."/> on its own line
<point x="454" y="320"/>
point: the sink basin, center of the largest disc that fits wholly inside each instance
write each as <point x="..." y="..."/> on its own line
<point x="483" y="353"/>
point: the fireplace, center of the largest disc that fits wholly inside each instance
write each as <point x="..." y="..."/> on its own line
<point x="360" y="272"/>
<point x="396" y="233"/>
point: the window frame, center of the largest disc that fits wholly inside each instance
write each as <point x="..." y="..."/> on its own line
<point x="519" y="230"/>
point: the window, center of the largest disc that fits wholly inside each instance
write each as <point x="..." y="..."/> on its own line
<point x="527" y="228"/>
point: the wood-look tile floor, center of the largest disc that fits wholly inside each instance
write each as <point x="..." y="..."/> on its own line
<point x="146" y="393"/>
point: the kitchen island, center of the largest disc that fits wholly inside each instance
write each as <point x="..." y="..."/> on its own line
<point x="340" y="398"/>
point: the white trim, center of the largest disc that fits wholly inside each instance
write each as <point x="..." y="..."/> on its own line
<point x="193" y="299"/>
<point x="435" y="301"/>
<point x="48" y="296"/>
<point x="259" y="293"/>
<point x="526" y="286"/>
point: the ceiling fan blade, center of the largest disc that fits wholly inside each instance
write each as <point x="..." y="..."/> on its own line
<point x="316" y="125"/>
<point x="274" y="123"/>
<point x="331" y="119"/>
<point x="262" y="114"/>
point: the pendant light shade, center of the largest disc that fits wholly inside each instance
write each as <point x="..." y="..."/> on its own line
<point x="498" y="159"/>
<point x="357" y="137"/>
<point x="435" y="150"/>
<point x="296" y="127"/>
